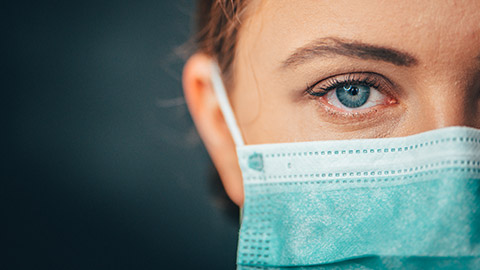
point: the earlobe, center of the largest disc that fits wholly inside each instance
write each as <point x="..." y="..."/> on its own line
<point x="207" y="116"/>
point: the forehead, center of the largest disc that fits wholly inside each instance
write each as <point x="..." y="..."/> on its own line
<point x="428" y="29"/>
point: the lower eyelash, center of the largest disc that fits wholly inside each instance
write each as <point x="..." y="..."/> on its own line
<point x="350" y="117"/>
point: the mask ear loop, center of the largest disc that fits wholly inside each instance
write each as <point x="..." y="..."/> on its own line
<point x="225" y="106"/>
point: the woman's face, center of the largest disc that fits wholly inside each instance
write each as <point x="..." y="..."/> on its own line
<point x="321" y="70"/>
<point x="308" y="70"/>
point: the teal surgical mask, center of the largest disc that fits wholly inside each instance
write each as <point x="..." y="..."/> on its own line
<point x="392" y="203"/>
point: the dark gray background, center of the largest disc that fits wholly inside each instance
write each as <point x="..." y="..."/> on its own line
<point x="103" y="167"/>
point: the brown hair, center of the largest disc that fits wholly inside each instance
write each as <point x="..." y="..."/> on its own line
<point x="218" y="22"/>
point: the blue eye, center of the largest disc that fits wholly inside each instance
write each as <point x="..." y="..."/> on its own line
<point x="353" y="92"/>
<point x="353" y="95"/>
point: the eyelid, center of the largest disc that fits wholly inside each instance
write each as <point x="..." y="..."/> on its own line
<point x="372" y="79"/>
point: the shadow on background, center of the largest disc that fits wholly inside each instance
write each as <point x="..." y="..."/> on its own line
<point x="104" y="168"/>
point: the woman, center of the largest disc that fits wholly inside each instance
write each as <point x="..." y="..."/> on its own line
<point x="353" y="140"/>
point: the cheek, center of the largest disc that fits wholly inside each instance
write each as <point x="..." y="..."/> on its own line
<point x="270" y="117"/>
<point x="246" y="104"/>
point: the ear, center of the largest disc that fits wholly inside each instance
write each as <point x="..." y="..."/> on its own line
<point x="208" y="118"/>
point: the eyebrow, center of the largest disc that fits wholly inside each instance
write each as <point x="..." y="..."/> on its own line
<point x="327" y="47"/>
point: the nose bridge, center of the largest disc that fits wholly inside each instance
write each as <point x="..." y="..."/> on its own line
<point x="448" y="105"/>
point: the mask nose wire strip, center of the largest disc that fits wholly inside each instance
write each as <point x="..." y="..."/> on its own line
<point x="225" y="106"/>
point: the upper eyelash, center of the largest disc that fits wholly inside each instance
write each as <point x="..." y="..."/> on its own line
<point x="334" y="82"/>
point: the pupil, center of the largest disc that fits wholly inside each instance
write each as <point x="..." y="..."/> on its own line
<point x="352" y="90"/>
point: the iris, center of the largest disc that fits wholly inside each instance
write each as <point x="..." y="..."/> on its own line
<point x="353" y="95"/>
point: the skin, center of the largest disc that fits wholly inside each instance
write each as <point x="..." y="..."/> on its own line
<point x="269" y="99"/>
